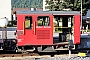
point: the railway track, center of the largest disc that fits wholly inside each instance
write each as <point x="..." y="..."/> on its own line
<point x="51" y="54"/>
<point x="13" y="54"/>
<point x="40" y="56"/>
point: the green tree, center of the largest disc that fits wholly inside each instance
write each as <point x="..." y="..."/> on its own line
<point x="74" y="5"/>
<point x="26" y="3"/>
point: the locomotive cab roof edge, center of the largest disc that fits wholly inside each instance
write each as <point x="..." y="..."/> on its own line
<point x="48" y="12"/>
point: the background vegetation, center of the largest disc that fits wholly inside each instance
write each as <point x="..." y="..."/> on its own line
<point x="74" y="5"/>
<point x="26" y="3"/>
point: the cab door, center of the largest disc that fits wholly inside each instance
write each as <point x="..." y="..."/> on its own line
<point x="29" y="30"/>
<point x="44" y="29"/>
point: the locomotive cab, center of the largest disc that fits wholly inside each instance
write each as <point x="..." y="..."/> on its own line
<point x="63" y="28"/>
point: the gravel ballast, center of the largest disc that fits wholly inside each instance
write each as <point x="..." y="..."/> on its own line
<point x="46" y="58"/>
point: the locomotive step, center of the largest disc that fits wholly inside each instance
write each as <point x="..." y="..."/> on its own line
<point x="62" y="43"/>
<point x="31" y="50"/>
<point x="62" y="49"/>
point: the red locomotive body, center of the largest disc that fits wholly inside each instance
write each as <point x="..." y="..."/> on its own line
<point x="35" y="28"/>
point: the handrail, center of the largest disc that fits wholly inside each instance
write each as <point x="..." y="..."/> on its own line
<point x="35" y="28"/>
<point x="62" y="27"/>
<point x="23" y="27"/>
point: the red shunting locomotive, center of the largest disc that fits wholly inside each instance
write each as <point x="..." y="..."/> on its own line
<point x="47" y="31"/>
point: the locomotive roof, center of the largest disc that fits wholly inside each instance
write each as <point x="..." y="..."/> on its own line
<point x="48" y="12"/>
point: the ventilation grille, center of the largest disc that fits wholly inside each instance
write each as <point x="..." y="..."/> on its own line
<point x="43" y="34"/>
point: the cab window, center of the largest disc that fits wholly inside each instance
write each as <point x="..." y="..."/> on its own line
<point x="28" y="22"/>
<point x="43" y="21"/>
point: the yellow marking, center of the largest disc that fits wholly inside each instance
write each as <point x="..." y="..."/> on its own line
<point x="81" y="54"/>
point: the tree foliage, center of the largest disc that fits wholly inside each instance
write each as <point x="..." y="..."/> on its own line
<point x="74" y="5"/>
<point x="26" y="3"/>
